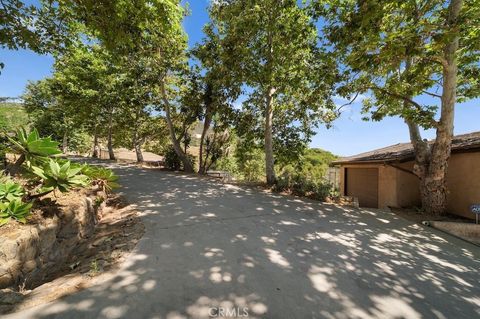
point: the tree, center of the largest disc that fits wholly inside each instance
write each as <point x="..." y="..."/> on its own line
<point x="39" y="28"/>
<point x="49" y="116"/>
<point x="215" y="91"/>
<point x="84" y="86"/>
<point x="150" y="32"/>
<point x="270" y="47"/>
<point x="398" y="51"/>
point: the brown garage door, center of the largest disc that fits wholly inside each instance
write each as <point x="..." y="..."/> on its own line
<point x="363" y="184"/>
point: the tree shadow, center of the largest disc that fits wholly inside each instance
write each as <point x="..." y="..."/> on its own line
<point x="213" y="246"/>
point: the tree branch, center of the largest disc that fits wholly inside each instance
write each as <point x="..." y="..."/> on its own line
<point x="405" y="99"/>
<point x="348" y="103"/>
<point x="432" y="94"/>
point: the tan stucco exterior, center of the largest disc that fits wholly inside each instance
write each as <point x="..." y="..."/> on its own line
<point x="463" y="183"/>
<point x="399" y="188"/>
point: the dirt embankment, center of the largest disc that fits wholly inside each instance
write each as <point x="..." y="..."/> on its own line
<point x="68" y="241"/>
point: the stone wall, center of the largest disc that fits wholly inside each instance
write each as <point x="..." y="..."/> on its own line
<point x="30" y="253"/>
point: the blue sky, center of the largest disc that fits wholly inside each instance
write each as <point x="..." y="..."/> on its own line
<point x="349" y="134"/>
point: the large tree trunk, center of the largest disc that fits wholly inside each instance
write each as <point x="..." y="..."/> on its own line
<point x="422" y="160"/>
<point x="187" y="165"/>
<point x="202" y="169"/>
<point x="269" y="159"/>
<point x="435" y="182"/>
<point x="431" y="164"/>
<point x="65" y="142"/>
<point x="111" y="154"/>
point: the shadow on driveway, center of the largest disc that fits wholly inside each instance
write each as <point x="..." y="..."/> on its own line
<point x="211" y="248"/>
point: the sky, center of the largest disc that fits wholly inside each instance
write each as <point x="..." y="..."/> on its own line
<point x="349" y="135"/>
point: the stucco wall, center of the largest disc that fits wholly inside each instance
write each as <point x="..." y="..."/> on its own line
<point x="463" y="183"/>
<point x="397" y="188"/>
<point x="408" y="189"/>
<point x="387" y="189"/>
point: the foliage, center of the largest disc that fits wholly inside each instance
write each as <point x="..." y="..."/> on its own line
<point x="63" y="177"/>
<point x="374" y="41"/>
<point x="3" y="151"/>
<point x="121" y="24"/>
<point x="397" y="53"/>
<point x="11" y="204"/>
<point x="105" y="178"/>
<point x="31" y="27"/>
<point x="172" y="160"/>
<point x="251" y="163"/>
<point x="9" y="191"/>
<point x="228" y="164"/>
<point x="31" y="145"/>
<point x="12" y="116"/>
<point x="80" y="141"/>
<point x="301" y="185"/>
<point x="15" y="209"/>
<point x="315" y="162"/>
<point x="271" y="47"/>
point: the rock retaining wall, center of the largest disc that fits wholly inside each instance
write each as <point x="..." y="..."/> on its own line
<point x="29" y="253"/>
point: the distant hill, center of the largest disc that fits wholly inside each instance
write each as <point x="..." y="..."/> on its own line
<point x="317" y="156"/>
<point x="12" y="116"/>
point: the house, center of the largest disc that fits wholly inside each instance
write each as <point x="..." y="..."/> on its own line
<point x="384" y="178"/>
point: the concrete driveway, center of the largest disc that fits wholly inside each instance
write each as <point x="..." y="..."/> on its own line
<point x="212" y="249"/>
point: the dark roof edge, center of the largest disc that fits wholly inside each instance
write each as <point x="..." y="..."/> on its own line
<point x="405" y="158"/>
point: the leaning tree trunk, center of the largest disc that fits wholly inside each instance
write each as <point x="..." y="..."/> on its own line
<point x="138" y="148"/>
<point x="187" y="165"/>
<point x="111" y="154"/>
<point x="436" y="181"/>
<point x="206" y="126"/>
<point x="431" y="164"/>
<point x="269" y="159"/>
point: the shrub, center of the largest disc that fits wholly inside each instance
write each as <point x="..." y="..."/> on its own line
<point x="251" y="163"/>
<point x="228" y="164"/>
<point x="105" y="178"/>
<point x="10" y="191"/>
<point x="80" y="142"/>
<point x="173" y="162"/>
<point x="45" y="173"/>
<point x="301" y="185"/>
<point x="62" y="177"/>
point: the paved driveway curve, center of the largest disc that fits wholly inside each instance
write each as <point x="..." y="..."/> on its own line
<point x="212" y="248"/>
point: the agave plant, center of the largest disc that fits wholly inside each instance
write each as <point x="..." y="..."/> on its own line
<point x="105" y="178"/>
<point x="31" y="146"/>
<point x="10" y="191"/>
<point x="15" y="209"/>
<point x="62" y="177"/>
